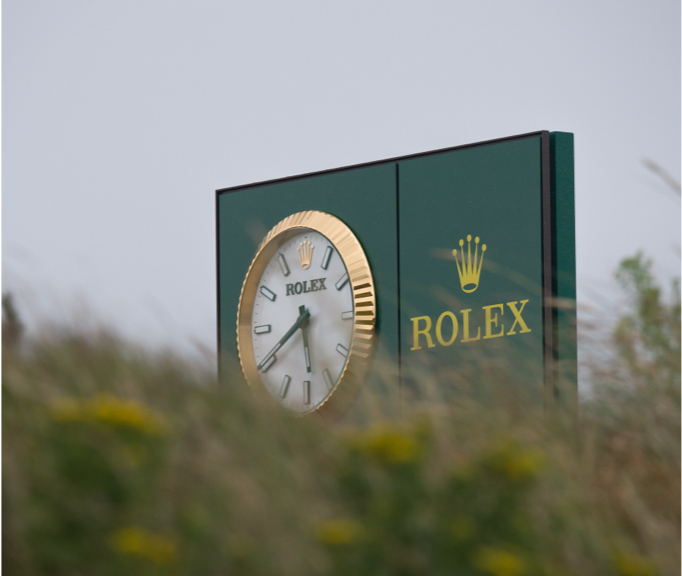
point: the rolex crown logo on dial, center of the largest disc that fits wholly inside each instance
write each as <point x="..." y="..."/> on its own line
<point x="305" y="253"/>
<point x="304" y="333"/>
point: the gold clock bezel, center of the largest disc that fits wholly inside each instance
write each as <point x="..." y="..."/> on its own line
<point x="364" y="304"/>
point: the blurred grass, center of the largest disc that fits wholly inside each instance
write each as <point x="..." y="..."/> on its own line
<point x="117" y="460"/>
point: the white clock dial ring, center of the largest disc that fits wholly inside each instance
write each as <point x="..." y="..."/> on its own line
<point x="305" y="325"/>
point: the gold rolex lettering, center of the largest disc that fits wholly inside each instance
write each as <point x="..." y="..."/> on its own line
<point x="493" y="328"/>
<point x="490" y="320"/>
<point x="416" y="332"/>
<point x="465" y="327"/>
<point x="517" y="316"/>
<point x="455" y="328"/>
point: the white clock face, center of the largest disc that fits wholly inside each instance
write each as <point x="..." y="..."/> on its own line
<point x="302" y="321"/>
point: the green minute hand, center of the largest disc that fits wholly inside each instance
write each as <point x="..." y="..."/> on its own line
<point x="306" y="348"/>
<point x="304" y="316"/>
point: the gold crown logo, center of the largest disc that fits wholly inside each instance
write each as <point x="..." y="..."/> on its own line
<point x="469" y="272"/>
<point x="305" y="253"/>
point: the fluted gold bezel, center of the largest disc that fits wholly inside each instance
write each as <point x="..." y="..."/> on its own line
<point x="364" y="304"/>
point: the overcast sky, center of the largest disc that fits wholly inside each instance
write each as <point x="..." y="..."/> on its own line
<point x="120" y="119"/>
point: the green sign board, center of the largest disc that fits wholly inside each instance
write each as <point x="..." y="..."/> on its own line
<point x="472" y="254"/>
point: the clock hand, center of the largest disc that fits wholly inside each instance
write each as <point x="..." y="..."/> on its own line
<point x="306" y="343"/>
<point x="304" y="315"/>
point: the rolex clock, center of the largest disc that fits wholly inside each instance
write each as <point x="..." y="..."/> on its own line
<point x="305" y="325"/>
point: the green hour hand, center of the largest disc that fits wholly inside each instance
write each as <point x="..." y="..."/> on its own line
<point x="269" y="360"/>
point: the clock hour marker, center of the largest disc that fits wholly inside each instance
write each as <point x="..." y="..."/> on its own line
<point x="342" y="281"/>
<point x="341" y="349"/>
<point x="270" y="361"/>
<point x="306" y="392"/>
<point x="347" y="315"/>
<point x="264" y="329"/>
<point x="326" y="257"/>
<point x="269" y="294"/>
<point x="328" y="378"/>
<point x="285" y="386"/>
<point x="283" y="265"/>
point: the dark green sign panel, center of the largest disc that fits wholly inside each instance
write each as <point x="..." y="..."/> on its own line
<point x="471" y="264"/>
<point x="472" y="251"/>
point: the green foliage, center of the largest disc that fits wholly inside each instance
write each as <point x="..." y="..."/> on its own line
<point x="119" y="461"/>
<point x="648" y="338"/>
<point x="414" y="512"/>
<point x="632" y="444"/>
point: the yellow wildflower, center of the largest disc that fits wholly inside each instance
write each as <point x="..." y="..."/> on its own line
<point x="526" y="463"/>
<point x="629" y="564"/>
<point x="340" y="531"/>
<point x="108" y="409"/>
<point x="126" y="413"/>
<point x="499" y="562"/>
<point x="515" y="462"/>
<point x="144" y="544"/>
<point x="388" y="446"/>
